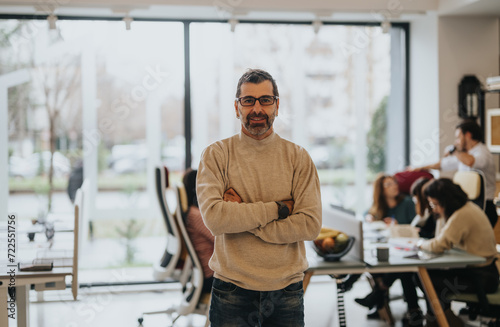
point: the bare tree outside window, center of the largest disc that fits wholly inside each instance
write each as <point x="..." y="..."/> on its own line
<point x="59" y="79"/>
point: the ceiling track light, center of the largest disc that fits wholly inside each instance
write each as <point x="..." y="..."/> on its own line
<point x="316" y="24"/>
<point x="128" y="22"/>
<point x="232" y="23"/>
<point x="52" y="19"/>
<point x="386" y="26"/>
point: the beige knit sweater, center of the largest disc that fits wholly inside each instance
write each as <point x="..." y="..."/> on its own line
<point x="253" y="249"/>
<point x="469" y="229"/>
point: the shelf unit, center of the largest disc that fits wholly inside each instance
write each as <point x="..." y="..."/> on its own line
<point x="471" y="99"/>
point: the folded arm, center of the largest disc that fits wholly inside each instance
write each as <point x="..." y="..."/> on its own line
<point x="305" y="221"/>
<point x="221" y="216"/>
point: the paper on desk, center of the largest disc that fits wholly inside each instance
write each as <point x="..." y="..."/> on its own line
<point x="423" y="255"/>
<point x="407" y="231"/>
<point x="375" y="225"/>
<point x="404" y="243"/>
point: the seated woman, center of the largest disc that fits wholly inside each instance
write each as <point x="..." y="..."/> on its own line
<point x="467" y="227"/>
<point x="201" y="237"/>
<point x="424" y="220"/>
<point x="390" y="206"/>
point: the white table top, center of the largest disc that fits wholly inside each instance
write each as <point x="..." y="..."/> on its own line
<point x="450" y="259"/>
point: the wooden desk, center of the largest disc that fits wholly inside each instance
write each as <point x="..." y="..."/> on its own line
<point x="451" y="259"/>
<point x="23" y="281"/>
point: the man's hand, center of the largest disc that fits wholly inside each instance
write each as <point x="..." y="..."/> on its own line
<point x="231" y="196"/>
<point x="289" y="204"/>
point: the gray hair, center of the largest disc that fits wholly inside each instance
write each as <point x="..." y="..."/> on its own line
<point x="256" y="76"/>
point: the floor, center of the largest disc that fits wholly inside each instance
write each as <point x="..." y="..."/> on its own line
<point x="122" y="305"/>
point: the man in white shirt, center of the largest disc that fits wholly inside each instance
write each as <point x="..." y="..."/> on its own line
<point x="470" y="153"/>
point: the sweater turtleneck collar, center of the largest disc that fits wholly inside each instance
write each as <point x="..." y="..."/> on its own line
<point x="253" y="142"/>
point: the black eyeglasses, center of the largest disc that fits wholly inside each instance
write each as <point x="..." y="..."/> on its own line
<point x="265" y="100"/>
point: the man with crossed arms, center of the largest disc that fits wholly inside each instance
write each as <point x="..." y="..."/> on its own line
<point x="260" y="196"/>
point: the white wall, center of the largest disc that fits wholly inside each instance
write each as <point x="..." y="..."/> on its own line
<point x="466" y="46"/>
<point x="424" y="91"/>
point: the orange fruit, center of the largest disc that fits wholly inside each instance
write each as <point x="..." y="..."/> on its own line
<point x="328" y="244"/>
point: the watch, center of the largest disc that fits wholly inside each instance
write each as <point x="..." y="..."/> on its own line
<point x="283" y="210"/>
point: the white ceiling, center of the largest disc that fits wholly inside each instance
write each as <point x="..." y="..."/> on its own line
<point x="294" y="10"/>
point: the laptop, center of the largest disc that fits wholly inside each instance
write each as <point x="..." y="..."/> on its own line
<point x="345" y="221"/>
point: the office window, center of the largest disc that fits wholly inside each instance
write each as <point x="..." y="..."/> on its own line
<point x="120" y="111"/>
<point x="331" y="88"/>
<point x="101" y="97"/>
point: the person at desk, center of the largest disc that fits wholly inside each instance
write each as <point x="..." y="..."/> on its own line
<point x="469" y="152"/>
<point x="202" y="239"/>
<point x="391" y="206"/>
<point x="424" y="220"/>
<point x="466" y="227"/>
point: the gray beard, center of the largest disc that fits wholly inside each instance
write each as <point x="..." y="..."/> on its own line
<point x="257" y="130"/>
<point x="260" y="129"/>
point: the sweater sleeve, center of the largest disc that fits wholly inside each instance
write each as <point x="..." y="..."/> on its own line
<point x="223" y="217"/>
<point x="451" y="234"/>
<point x="305" y="221"/>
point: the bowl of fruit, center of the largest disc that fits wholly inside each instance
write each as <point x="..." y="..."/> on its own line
<point x="332" y="244"/>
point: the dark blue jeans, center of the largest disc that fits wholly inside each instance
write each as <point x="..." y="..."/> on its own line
<point x="233" y="306"/>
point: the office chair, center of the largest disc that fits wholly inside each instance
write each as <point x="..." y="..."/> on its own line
<point x="172" y="264"/>
<point x="172" y="259"/>
<point x="480" y="303"/>
<point x="407" y="178"/>
<point x="182" y="201"/>
<point x="472" y="183"/>
<point x="181" y="211"/>
<point x="193" y="300"/>
<point x="191" y="277"/>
